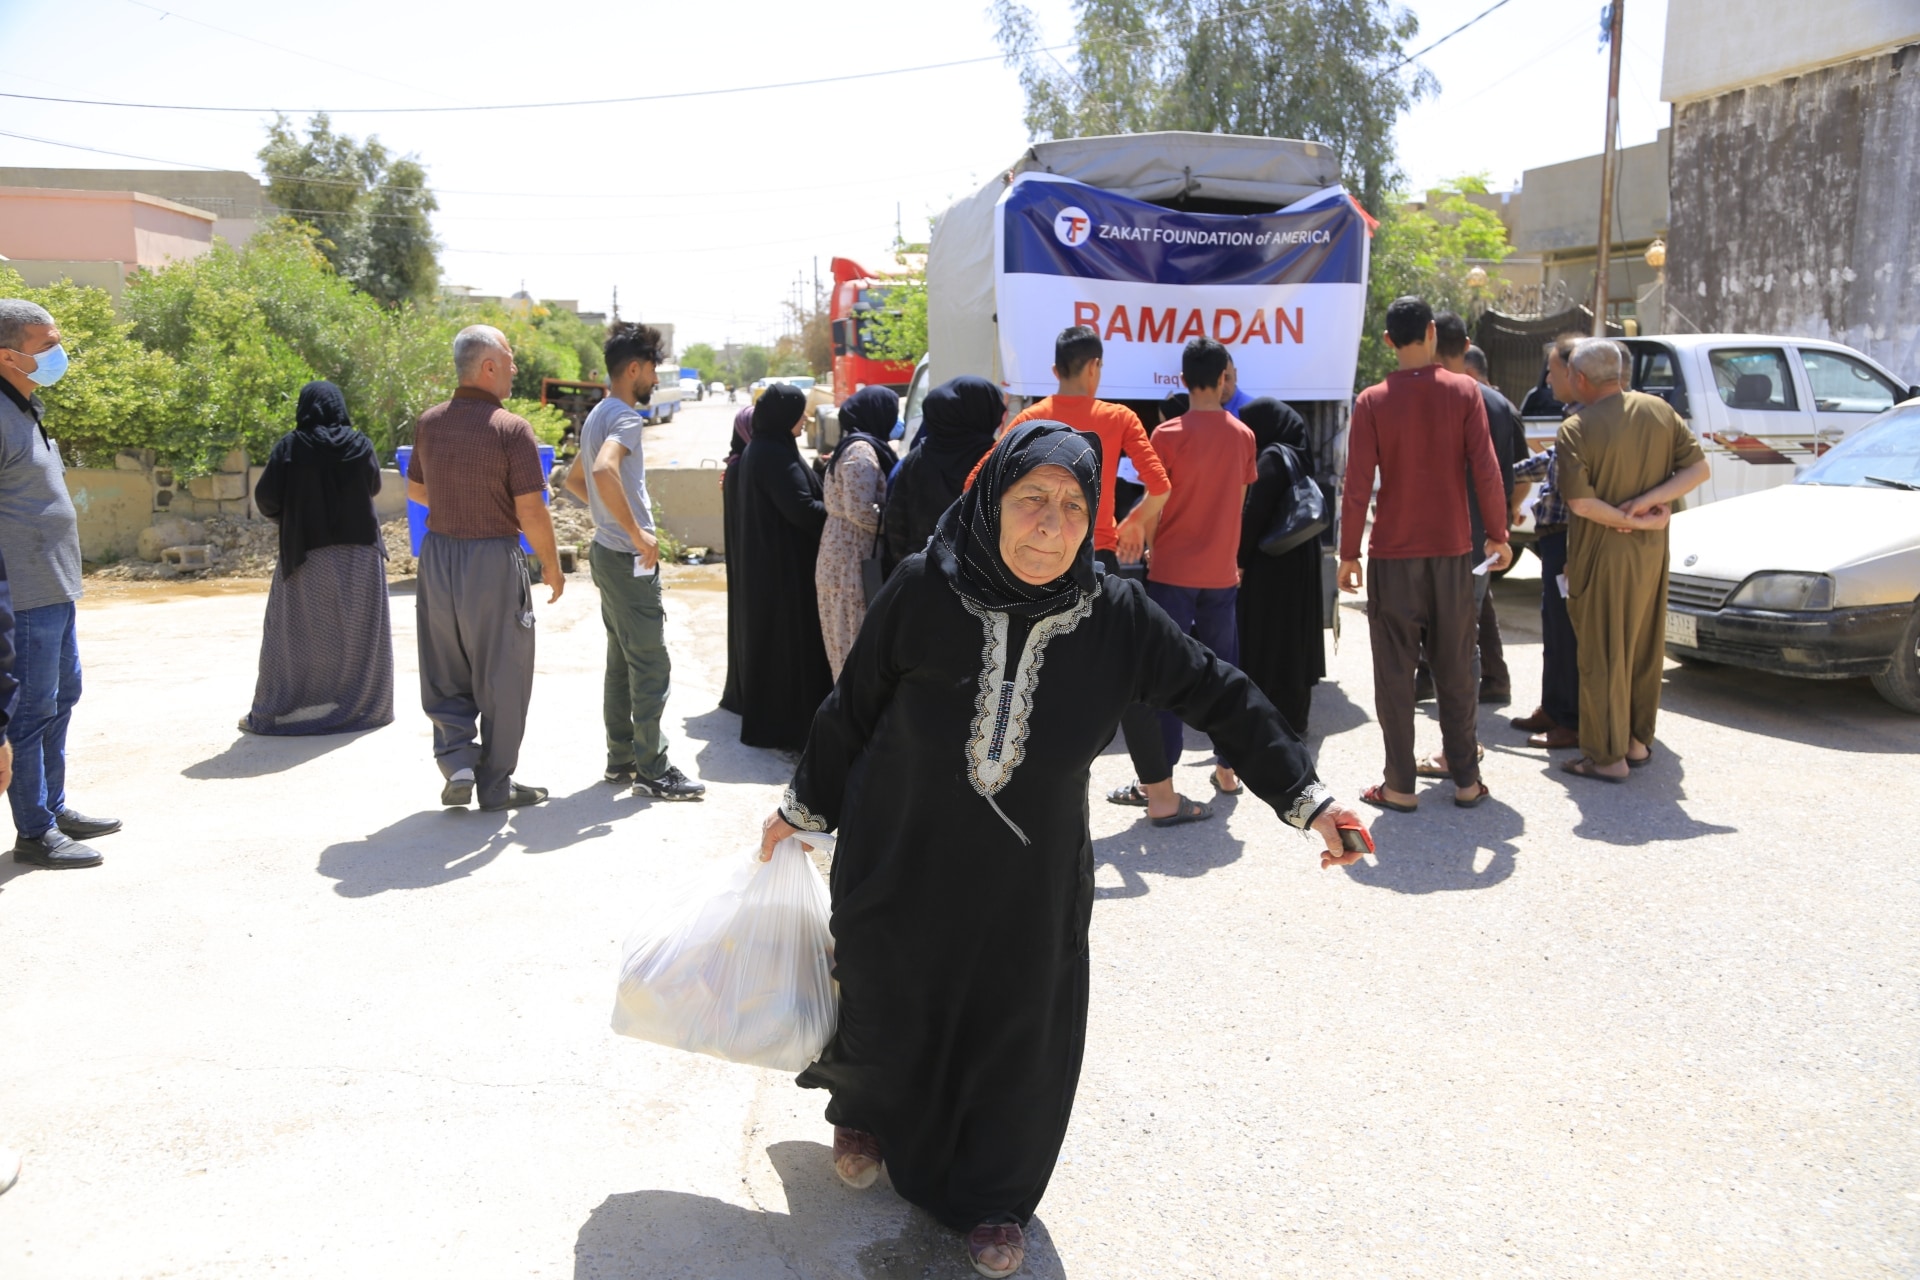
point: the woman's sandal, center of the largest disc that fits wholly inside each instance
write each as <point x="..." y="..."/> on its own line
<point x="1581" y="767"/>
<point x="1129" y="794"/>
<point x="1185" y="811"/>
<point x="1376" y="795"/>
<point x="1434" y="766"/>
<point x="1458" y="803"/>
<point x="1006" y="1240"/>
<point x="856" y="1157"/>
<point x="1238" y="786"/>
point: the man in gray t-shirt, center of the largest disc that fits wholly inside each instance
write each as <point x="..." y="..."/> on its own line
<point x="610" y="476"/>
<point x="40" y="542"/>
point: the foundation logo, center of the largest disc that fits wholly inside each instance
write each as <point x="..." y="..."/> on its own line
<point x="1072" y="227"/>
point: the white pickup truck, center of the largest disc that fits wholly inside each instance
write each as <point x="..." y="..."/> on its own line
<point x="1763" y="407"/>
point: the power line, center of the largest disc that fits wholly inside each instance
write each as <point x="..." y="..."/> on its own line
<point x="1412" y="57"/>
<point x="267" y="44"/>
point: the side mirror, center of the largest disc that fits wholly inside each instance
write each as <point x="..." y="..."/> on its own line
<point x="1913" y="392"/>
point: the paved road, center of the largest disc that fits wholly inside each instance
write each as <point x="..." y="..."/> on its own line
<point x="304" y="1023"/>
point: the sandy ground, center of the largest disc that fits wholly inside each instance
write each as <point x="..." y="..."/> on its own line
<point x="304" y="1023"/>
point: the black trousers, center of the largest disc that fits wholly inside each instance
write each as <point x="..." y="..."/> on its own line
<point x="1139" y="724"/>
<point x="1559" y="651"/>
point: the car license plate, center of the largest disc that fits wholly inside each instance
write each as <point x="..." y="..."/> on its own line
<point x="1683" y="628"/>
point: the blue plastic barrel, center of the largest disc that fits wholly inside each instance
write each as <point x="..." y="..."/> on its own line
<point x="417" y="514"/>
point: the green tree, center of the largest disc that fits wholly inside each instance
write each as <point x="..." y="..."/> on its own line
<point x="701" y="356"/>
<point x="1326" y="71"/>
<point x="1427" y="252"/>
<point x="899" y="331"/>
<point x="117" y="393"/>
<point x="370" y="207"/>
<point x="754" y="365"/>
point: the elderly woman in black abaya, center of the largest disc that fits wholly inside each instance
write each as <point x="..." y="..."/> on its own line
<point x="953" y="757"/>
<point x="1281" y="630"/>
<point x="730" y="524"/>
<point x="958" y="419"/>
<point x="854" y="489"/>
<point x="326" y="650"/>
<point x="783" y="662"/>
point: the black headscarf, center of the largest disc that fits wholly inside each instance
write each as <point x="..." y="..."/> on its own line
<point x="777" y="411"/>
<point x="869" y="414"/>
<point x="1275" y="422"/>
<point x="966" y="543"/>
<point x="961" y="416"/>
<point x="320" y="479"/>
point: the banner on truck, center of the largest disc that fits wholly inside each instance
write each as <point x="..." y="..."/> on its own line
<point x="1286" y="292"/>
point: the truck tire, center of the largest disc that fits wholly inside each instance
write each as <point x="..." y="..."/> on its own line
<point x="1900" y="682"/>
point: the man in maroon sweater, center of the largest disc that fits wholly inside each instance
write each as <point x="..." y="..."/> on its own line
<point x="1424" y="431"/>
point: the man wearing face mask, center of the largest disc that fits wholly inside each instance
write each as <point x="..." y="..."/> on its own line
<point x="40" y="541"/>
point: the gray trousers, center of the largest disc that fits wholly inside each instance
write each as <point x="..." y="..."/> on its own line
<point x="1404" y="597"/>
<point x="475" y="612"/>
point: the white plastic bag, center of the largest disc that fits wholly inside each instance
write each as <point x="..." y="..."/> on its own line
<point x="738" y="967"/>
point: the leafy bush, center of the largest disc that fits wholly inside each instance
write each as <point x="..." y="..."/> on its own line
<point x="547" y="422"/>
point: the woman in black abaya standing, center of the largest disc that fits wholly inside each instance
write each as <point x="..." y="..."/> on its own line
<point x="1282" y="645"/>
<point x="730" y="525"/>
<point x="783" y="672"/>
<point x="953" y="756"/>
<point x="957" y="422"/>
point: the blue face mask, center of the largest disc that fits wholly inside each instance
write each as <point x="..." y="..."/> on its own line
<point x="51" y="367"/>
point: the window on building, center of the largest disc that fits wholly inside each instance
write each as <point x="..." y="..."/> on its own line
<point x="1753" y="378"/>
<point x="1842" y="384"/>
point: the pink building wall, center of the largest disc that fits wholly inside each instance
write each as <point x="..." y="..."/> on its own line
<point x="128" y="227"/>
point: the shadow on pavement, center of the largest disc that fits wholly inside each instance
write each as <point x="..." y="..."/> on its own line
<point x="1333" y="713"/>
<point x="1642" y="810"/>
<point x="439" y="846"/>
<point x="724" y="758"/>
<point x="827" y="1231"/>
<point x="254" y="755"/>
<point x="1438" y="849"/>
<point x="1842" y="715"/>
<point x="1192" y="849"/>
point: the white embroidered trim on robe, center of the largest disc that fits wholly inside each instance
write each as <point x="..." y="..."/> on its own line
<point x="1001" y="709"/>
<point x="798" y="816"/>
<point x="1307" y="805"/>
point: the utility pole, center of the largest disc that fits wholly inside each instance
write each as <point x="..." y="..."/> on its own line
<point x="1602" y="268"/>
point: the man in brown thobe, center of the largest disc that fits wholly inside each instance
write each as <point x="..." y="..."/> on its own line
<point x="1623" y="460"/>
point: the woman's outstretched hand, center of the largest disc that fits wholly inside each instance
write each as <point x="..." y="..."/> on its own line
<point x="1327" y="825"/>
<point x="776" y="828"/>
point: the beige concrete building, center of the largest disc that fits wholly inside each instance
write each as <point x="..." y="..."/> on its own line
<point x="96" y="237"/>
<point x="1557" y="222"/>
<point x="238" y="201"/>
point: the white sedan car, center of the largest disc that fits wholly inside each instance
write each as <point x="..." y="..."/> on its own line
<point x="1816" y="578"/>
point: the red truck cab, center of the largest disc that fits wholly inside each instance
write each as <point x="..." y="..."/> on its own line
<point x="858" y="293"/>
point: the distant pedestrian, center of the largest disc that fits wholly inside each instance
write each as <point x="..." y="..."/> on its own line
<point x="782" y="515"/>
<point x="326" y="646"/>
<point x="730" y="524"/>
<point x="1625" y="457"/>
<point x="1509" y="450"/>
<point x="625" y="561"/>
<point x="40" y="544"/>
<point x="1555" y="723"/>
<point x="958" y="422"/>
<point x="854" y="490"/>
<point x="1279" y="606"/>
<point x="476" y="468"/>
<point x="1210" y="458"/>
<point x="1422" y="431"/>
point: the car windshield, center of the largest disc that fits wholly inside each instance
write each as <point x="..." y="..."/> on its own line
<point x="1884" y="454"/>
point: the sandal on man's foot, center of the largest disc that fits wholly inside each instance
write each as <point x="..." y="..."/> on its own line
<point x="1129" y="794"/>
<point x="1458" y="803"/>
<point x="1435" y="766"/>
<point x="1238" y="786"/>
<point x="856" y="1157"/>
<point x="998" y="1249"/>
<point x="1643" y="761"/>
<point x="1581" y="767"/>
<point x="1376" y="795"/>
<point x="1184" y="811"/>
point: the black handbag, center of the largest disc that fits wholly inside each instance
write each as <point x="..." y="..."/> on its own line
<point x="873" y="569"/>
<point x="1301" y="519"/>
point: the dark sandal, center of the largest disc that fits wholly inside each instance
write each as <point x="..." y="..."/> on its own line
<point x="1458" y="803"/>
<point x="1376" y="795"/>
<point x="1129" y="794"/>
<point x="1238" y="785"/>
<point x="856" y="1157"/>
<point x="1430" y="766"/>
<point x="1643" y="761"/>
<point x="1581" y="767"/>
<point x="1185" y="811"/>
<point x="1005" y="1235"/>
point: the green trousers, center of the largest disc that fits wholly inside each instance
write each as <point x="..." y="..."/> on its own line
<point x="637" y="667"/>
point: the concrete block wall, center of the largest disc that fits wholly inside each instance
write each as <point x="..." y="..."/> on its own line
<point x="689" y="502"/>
<point x="113" y="507"/>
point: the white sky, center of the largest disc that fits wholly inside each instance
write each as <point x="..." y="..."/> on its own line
<point x="703" y="210"/>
